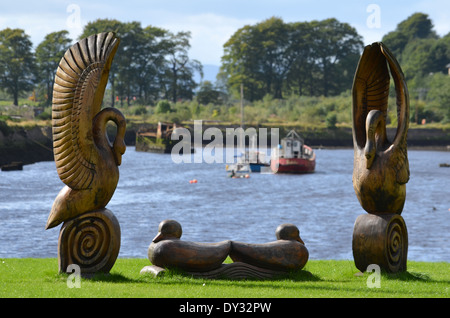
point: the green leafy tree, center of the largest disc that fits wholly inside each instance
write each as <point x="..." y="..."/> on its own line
<point x="17" y="63"/>
<point x="438" y="96"/>
<point x="149" y="63"/>
<point x="240" y="63"/>
<point x="337" y="48"/>
<point x="180" y="69"/>
<point x="259" y="57"/>
<point x="152" y="47"/>
<point x="416" y="26"/>
<point x="424" y="56"/>
<point x="273" y="57"/>
<point x="300" y="78"/>
<point x="131" y="36"/>
<point x="420" y="52"/>
<point x="48" y="55"/>
<point x="273" y="38"/>
<point x="208" y="94"/>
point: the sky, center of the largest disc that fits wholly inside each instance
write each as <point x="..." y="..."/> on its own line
<point x="213" y="22"/>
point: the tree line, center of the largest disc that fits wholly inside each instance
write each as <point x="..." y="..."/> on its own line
<point x="425" y="61"/>
<point x="304" y="58"/>
<point x="270" y="58"/>
<point x="150" y="64"/>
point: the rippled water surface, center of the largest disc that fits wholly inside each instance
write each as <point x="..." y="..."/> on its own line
<point x="153" y="188"/>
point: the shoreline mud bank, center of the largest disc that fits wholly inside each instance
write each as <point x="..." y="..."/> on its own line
<point x="34" y="144"/>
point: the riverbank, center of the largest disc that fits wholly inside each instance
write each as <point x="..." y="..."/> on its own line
<point x="25" y="145"/>
<point x="33" y="144"/>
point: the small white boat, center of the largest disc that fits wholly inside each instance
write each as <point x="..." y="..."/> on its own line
<point x="238" y="170"/>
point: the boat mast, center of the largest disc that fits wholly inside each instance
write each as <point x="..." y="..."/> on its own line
<point x="242" y="106"/>
<point x="242" y="117"/>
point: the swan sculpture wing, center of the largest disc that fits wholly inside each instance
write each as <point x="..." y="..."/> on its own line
<point x="399" y="143"/>
<point x="78" y="91"/>
<point x="370" y="90"/>
<point x="381" y="167"/>
<point x="85" y="159"/>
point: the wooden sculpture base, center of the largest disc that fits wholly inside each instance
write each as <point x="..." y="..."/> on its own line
<point x="380" y="240"/>
<point x="91" y="241"/>
<point x="236" y="270"/>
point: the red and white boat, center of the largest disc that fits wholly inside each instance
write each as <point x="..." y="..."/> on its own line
<point x="292" y="156"/>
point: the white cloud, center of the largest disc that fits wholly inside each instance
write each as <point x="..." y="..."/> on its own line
<point x="212" y="23"/>
<point x="209" y="32"/>
<point x="38" y="23"/>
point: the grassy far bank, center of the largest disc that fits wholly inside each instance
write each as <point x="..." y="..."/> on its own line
<point x="309" y="112"/>
<point x="38" y="278"/>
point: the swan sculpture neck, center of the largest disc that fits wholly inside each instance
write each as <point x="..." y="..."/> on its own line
<point x="100" y="136"/>
<point x="376" y="136"/>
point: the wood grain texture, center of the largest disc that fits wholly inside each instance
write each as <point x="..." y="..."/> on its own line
<point x="92" y="241"/>
<point x="381" y="167"/>
<point x="287" y="253"/>
<point x="380" y="240"/>
<point x="85" y="159"/>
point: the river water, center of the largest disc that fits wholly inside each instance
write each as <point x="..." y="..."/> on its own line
<point x="152" y="187"/>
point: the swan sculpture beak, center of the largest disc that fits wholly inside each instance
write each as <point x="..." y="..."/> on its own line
<point x="369" y="152"/>
<point x="168" y="229"/>
<point x="118" y="150"/>
<point x="158" y="237"/>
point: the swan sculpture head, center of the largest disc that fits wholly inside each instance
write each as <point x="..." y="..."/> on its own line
<point x="85" y="159"/>
<point x="381" y="167"/>
<point x="168" y="229"/>
<point x="288" y="231"/>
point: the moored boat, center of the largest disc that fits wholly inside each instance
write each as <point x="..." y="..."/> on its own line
<point x="292" y="156"/>
<point x="256" y="160"/>
<point x="238" y="170"/>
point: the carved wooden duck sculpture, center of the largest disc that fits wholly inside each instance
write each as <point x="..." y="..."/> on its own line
<point x="85" y="159"/>
<point x="167" y="250"/>
<point x="288" y="252"/>
<point x="381" y="168"/>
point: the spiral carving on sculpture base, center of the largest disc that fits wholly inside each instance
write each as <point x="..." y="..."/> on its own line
<point x="91" y="241"/>
<point x="380" y="240"/>
<point x="396" y="244"/>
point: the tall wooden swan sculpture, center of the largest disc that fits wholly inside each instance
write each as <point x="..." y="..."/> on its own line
<point x="85" y="159"/>
<point x="381" y="168"/>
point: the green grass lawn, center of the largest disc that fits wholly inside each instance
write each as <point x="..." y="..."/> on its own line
<point x="39" y="278"/>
